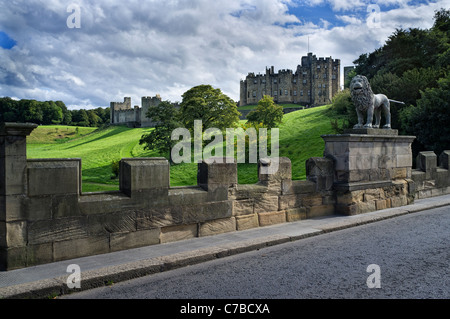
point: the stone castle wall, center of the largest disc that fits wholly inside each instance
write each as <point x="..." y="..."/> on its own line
<point x="314" y="83"/>
<point x="121" y="113"/>
<point x="45" y="217"/>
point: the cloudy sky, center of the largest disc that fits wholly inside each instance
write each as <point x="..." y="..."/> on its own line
<point x="143" y="48"/>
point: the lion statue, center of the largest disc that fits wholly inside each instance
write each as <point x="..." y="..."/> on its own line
<point x="366" y="101"/>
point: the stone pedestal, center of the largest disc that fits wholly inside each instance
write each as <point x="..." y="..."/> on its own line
<point x="370" y="164"/>
<point x="13" y="190"/>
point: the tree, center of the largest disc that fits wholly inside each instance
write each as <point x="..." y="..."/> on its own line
<point x="166" y="117"/>
<point x="211" y="106"/>
<point x="267" y="112"/>
<point x="429" y="119"/>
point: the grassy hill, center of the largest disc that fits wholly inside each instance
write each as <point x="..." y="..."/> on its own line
<point x="299" y="140"/>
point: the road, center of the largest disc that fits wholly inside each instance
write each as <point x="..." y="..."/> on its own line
<point x="410" y="258"/>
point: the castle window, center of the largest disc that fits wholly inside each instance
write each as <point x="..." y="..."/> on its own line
<point x="255" y="81"/>
<point x="304" y="74"/>
<point x="295" y="93"/>
<point x="320" y="85"/>
<point x="309" y="92"/>
<point x="301" y="93"/>
<point x="295" y="80"/>
<point x="281" y="92"/>
<point x="325" y="76"/>
<point x="275" y="81"/>
<point x="334" y="68"/>
<point x="254" y="93"/>
<point x="324" y="86"/>
<point x="275" y="93"/>
<point x="318" y="66"/>
<point x="285" y="92"/>
<point x="264" y="81"/>
<point x="304" y="81"/>
<point x="334" y="77"/>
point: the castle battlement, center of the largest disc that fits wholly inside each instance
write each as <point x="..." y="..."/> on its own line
<point x="315" y="82"/>
<point x="122" y="113"/>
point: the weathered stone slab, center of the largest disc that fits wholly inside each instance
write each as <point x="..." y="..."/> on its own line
<point x="80" y="247"/>
<point x="44" y="231"/>
<point x="129" y="240"/>
<point x="266" y="219"/>
<point x="243" y="207"/>
<point x="176" y="233"/>
<point x="218" y="226"/>
<point x="247" y="221"/>
<point x="60" y="176"/>
<point x="266" y="204"/>
<point x="295" y="214"/>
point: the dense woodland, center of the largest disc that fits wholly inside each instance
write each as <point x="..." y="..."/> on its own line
<point x="413" y="66"/>
<point x="50" y="113"/>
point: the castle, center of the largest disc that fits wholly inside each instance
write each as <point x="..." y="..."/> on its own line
<point x="122" y="113"/>
<point x="314" y="83"/>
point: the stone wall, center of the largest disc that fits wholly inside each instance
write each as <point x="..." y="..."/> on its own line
<point x="44" y="216"/>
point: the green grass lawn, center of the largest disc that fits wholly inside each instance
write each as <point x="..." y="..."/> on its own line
<point x="251" y="107"/>
<point x="299" y="140"/>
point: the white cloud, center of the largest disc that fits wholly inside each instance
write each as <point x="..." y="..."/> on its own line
<point x="166" y="47"/>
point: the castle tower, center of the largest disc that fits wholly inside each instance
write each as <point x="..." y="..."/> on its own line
<point x="118" y="106"/>
<point x="146" y="103"/>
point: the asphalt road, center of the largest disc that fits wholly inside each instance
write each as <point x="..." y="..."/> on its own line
<point x="411" y="255"/>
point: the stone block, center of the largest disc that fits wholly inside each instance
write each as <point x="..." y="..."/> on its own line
<point x="218" y="226"/>
<point x="223" y="172"/>
<point x="295" y="214"/>
<point x="205" y="212"/>
<point x="266" y="204"/>
<point x="116" y="222"/>
<point x="60" y="176"/>
<point x="180" y="232"/>
<point x="247" y="221"/>
<point x="266" y="219"/>
<point x="381" y="204"/>
<point x="80" y="247"/>
<point x="45" y="231"/>
<point x="289" y="201"/>
<point x="187" y="196"/>
<point x="159" y="217"/>
<point x="300" y="187"/>
<point x="39" y="254"/>
<point x="312" y="200"/>
<point x="427" y="162"/>
<point x="143" y="174"/>
<point x="13" y="234"/>
<point x="320" y="170"/>
<point x="243" y="207"/>
<point x="274" y="170"/>
<point x="12" y="207"/>
<point x="135" y="239"/>
<point x="13" y="177"/>
<point x="444" y="160"/>
<point x="318" y="211"/>
<point x="13" y="258"/>
<point x="399" y="201"/>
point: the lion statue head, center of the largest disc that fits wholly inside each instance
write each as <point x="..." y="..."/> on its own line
<point x="361" y="92"/>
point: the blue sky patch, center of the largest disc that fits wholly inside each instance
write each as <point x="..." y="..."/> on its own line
<point x="6" y="42"/>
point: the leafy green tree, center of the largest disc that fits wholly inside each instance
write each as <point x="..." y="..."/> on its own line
<point x="428" y="121"/>
<point x="211" y="106"/>
<point x="267" y="113"/>
<point x="166" y="117"/>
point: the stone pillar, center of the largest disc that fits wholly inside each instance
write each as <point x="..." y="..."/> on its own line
<point x="216" y="176"/>
<point x="13" y="190"/>
<point x="145" y="179"/>
<point x="372" y="169"/>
